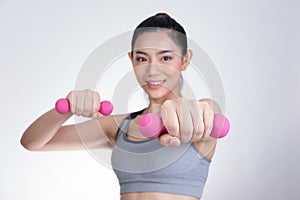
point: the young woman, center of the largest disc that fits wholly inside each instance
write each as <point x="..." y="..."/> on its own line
<point x="159" y="55"/>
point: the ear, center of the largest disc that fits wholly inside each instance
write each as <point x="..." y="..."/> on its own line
<point x="130" y="54"/>
<point x="186" y="59"/>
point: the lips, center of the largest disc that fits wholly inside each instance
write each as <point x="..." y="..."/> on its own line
<point x="155" y="84"/>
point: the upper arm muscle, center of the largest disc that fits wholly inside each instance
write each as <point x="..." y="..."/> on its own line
<point x="92" y="134"/>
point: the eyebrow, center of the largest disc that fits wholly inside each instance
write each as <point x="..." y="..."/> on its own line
<point x="160" y="52"/>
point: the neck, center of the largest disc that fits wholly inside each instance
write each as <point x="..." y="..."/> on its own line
<point x="155" y="103"/>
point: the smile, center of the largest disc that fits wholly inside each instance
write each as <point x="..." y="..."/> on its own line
<point x="155" y="84"/>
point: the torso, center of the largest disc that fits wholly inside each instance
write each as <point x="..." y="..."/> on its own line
<point x="155" y="196"/>
<point x="133" y="133"/>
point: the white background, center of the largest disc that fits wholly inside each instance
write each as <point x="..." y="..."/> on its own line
<point x="254" y="45"/>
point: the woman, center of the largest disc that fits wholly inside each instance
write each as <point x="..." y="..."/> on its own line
<point x="159" y="54"/>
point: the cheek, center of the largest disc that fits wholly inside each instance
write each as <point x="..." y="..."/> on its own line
<point x="139" y="73"/>
<point x="173" y="71"/>
<point x="176" y="65"/>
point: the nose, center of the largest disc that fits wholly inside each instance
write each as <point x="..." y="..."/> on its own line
<point x="153" y="68"/>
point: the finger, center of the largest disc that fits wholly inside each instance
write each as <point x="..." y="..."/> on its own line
<point x="198" y="125"/>
<point x="208" y="118"/>
<point x="88" y="104"/>
<point x="71" y="99"/>
<point x="96" y="102"/>
<point x="97" y="115"/>
<point x="79" y="103"/>
<point x="167" y="140"/>
<point x="185" y="123"/>
<point x="170" y="119"/>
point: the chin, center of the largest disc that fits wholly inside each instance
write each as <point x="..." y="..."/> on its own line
<point x="156" y="95"/>
<point x="160" y="95"/>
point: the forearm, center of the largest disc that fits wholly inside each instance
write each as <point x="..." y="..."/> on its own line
<point x="216" y="108"/>
<point x="43" y="129"/>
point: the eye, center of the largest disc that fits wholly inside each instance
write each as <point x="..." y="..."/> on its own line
<point x="141" y="59"/>
<point x="166" y="58"/>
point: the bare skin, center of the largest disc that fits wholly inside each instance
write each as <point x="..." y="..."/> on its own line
<point x="48" y="134"/>
<point x="151" y="65"/>
<point x="155" y="196"/>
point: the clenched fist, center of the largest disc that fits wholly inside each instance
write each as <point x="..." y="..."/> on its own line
<point x="84" y="103"/>
<point x="186" y="121"/>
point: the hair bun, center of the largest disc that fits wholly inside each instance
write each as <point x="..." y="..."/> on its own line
<point x="162" y="15"/>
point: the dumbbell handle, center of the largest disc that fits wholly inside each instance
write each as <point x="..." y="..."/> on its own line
<point x="151" y="126"/>
<point x="62" y="106"/>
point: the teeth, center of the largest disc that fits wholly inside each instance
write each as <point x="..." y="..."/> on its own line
<point x="155" y="83"/>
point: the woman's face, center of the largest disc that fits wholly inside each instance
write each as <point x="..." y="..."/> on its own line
<point x="158" y="63"/>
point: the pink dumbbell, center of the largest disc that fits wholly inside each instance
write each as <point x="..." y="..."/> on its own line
<point x="151" y="126"/>
<point x="62" y="106"/>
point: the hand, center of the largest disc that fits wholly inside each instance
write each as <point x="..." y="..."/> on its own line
<point x="186" y="121"/>
<point x="84" y="103"/>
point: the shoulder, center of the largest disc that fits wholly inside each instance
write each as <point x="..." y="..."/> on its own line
<point x="110" y="124"/>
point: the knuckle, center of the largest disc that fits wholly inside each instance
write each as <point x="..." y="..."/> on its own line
<point x="205" y="103"/>
<point x="70" y="98"/>
<point x="198" y="133"/>
<point x="197" y="138"/>
<point x="205" y="135"/>
<point x="185" y="139"/>
<point x="209" y="107"/>
<point x="199" y="130"/>
<point x="72" y="109"/>
<point x="173" y="127"/>
<point x="78" y="111"/>
<point x="70" y="95"/>
<point x="194" y="102"/>
<point x="96" y="100"/>
<point x="167" y="104"/>
<point x="172" y="133"/>
<point x="88" y="113"/>
<point x="163" y="141"/>
<point x="186" y="135"/>
<point x="201" y="106"/>
<point x="96" y="95"/>
<point x="87" y="90"/>
<point x="95" y="109"/>
<point x="194" y="105"/>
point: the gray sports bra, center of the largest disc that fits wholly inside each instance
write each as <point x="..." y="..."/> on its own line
<point x="147" y="166"/>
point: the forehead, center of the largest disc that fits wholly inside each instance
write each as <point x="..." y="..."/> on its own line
<point x="159" y="40"/>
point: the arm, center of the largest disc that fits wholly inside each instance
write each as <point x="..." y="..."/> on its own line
<point x="47" y="133"/>
<point x="42" y="130"/>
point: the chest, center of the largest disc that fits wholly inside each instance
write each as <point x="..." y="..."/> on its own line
<point x="133" y="133"/>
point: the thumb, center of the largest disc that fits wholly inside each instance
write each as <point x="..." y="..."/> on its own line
<point x="97" y="115"/>
<point x="168" y="140"/>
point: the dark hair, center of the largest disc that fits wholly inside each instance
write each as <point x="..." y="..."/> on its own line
<point x="162" y="21"/>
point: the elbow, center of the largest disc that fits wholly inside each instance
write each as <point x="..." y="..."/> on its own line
<point x="28" y="145"/>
